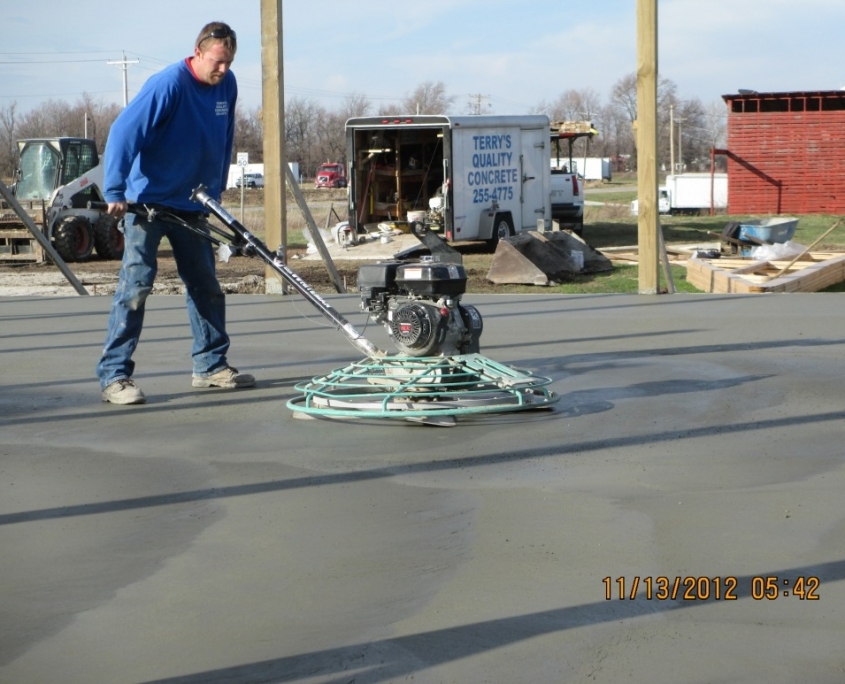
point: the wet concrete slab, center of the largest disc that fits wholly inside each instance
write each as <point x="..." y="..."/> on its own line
<point x="211" y="536"/>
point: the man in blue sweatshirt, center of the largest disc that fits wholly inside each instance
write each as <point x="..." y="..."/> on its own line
<point x="176" y="134"/>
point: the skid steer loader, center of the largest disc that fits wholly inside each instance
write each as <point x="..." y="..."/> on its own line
<point x="55" y="181"/>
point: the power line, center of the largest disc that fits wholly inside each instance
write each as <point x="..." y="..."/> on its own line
<point x="95" y="92"/>
<point x="69" y="52"/>
<point x="475" y="103"/>
<point x="51" y="61"/>
<point x="124" y="64"/>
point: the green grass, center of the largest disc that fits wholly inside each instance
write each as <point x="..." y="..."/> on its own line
<point x="621" y="280"/>
<point x="603" y="230"/>
<point x="620" y="197"/>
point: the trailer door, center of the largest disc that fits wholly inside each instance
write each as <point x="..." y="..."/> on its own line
<point x="534" y="169"/>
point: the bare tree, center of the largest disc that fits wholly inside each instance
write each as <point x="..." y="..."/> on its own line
<point x="60" y="119"/>
<point x="8" y="135"/>
<point x="302" y="118"/>
<point x="96" y="116"/>
<point x="575" y="105"/>
<point x="314" y="134"/>
<point x="249" y="133"/>
<point x="623" y="96"/>
<point x="355" y="104"/>
<point x="623" y="100"/>
<point x="715" y="126"/>
<point x="390" y="109"/>
<point x="427" y="98"/>
<point x="330" y="136"/>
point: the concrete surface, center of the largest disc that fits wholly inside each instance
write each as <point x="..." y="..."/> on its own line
<point x="210" y="536"/>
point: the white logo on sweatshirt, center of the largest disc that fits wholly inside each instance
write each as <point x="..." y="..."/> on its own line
<point x="222" y="108"/>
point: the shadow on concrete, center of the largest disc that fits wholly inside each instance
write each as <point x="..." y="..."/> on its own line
<point x="388" y="659"/>
<point x="580" y="448"/>
<point x="562" y="365"/>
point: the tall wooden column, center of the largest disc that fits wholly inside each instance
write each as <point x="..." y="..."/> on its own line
<point x="648" y="216"/>
<point x="273" y="121"/>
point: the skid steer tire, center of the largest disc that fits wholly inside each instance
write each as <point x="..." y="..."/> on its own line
<point x="73" y="238"/>
<point x="108" y="240"/>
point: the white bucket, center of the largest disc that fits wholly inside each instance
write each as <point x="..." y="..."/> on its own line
<point x="578" y="257"/>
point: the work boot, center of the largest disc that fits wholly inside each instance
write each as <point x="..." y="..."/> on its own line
<point x="123" y="391"/>
<point x="227" y="378"/>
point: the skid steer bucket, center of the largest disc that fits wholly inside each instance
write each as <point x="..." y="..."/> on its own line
<point x="533" y="258"/>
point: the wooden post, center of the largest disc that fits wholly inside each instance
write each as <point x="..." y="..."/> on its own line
<point x="647" y="221"/>
<point x="273" y="120"/>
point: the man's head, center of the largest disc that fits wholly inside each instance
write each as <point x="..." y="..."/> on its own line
<point x="214" y="52"/>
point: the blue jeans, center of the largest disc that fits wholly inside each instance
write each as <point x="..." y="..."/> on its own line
<point x="194" y="257"/>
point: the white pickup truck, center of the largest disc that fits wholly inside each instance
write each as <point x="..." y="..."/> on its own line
<point x="567" y="192"/>
<point x="567" y="198"/>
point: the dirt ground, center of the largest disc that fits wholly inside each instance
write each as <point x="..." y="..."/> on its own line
<point x="243" y="275"/>
<point x="240" y="274"/>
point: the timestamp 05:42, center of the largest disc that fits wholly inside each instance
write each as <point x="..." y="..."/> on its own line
<point x="706" y="588"/>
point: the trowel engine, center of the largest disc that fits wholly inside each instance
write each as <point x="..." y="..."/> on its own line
<point x="418" y="302"/>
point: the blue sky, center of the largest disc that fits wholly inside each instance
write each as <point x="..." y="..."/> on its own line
<point x="514" y="54"/>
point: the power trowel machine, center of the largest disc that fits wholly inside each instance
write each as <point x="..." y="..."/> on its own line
<point x="438" y="374"/>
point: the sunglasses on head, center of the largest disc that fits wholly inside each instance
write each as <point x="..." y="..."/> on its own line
<point x="219" y="33"/>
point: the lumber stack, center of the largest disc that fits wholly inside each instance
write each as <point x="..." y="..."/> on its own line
<point x="812" y="272"/>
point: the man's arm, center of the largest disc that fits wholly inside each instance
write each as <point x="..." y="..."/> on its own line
<point x="127" y="137"/>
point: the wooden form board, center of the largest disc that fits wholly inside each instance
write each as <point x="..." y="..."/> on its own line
<point x="813" y="272"/>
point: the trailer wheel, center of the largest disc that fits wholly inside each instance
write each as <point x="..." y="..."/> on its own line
<point x="73" y="238"/>
<point x="108" y="240"/>
<point x="502" y="229"/>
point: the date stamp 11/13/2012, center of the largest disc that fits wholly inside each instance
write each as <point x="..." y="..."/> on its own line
<point x="706" y="588"/>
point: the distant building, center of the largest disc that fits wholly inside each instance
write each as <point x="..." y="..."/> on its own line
<point x="786" y="152"/>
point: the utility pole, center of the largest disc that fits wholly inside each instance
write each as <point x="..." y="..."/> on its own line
<point x="680" y="147"/>
<point x="475" y="107"/>
<point x="671" y="138"/>
<point x="124" y="63"/>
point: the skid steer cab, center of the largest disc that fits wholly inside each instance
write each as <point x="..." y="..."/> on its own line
<point x="55" y="180"/>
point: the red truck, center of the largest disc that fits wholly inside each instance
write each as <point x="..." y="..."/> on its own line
<point x="331" y="175"/>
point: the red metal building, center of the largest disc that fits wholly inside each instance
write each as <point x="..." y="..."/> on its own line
<point x="786" y="153"/>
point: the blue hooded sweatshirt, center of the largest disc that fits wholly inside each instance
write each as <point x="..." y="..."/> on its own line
<point x="176" y="134"/>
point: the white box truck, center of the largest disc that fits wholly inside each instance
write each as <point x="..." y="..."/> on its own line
<point x="590" y="168"/>
<point x="465" y="177"/>
<point x="691" y="193"/>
